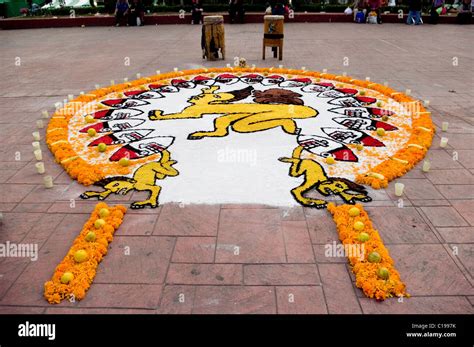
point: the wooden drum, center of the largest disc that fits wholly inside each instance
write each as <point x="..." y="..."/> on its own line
<point x="273" y="35"/>
<point x="213" y="38"/>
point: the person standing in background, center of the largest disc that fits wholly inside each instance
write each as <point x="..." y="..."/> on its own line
<point x="121" y="12"/>
<point x="414" y="12"/>
<point x="137" y="13"/>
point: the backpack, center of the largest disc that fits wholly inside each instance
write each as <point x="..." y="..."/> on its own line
<point x="360" y="17"/>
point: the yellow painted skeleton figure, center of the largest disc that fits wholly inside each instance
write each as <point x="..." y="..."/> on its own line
<point x="144" y="179"/>
<point x="278" y="109"/>
<point x="315" y="178"/>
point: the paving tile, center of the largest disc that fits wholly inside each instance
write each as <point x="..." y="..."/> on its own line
<point x="465" y="209"/>
<point x="297" y="242"/>
<point x="419" y="189"/>
<point x="250" y="236"/>
<point x="14" y="192"/>
<point x="466" y="158"/>
<point x="189" y="220"/>
<point x="452" y="176"/>
<point x="281" y="274"/>
<point x="138" y="224"/>
<point x="301" y="300"/>
<point x="338" y="289"/>
<point x="441" y="159"/>
<point x="114" y="311"/>
<point x="177" y="300"/>
<point x="457" y="234"/>
<point x="42" y="194"/>
<point x="444" y="216"/>
<point x="429" y="270"/>
<point x="320" y="252"/>
<point x="194" y="250"/>
<point x="21" y="310"/>
<point x="322" y="228"/>
<point x="15" y="226"/>
<point x="401" y="225"/>
<point x="210" y="274"/>
<point x="234" y="299"/>
<point x="456" y="192"/>
<point x="465" y="253"/>
<point x="32" y="207"/>
<point x="418" y="305"/>
<point x="136" y="259"/>
<point x="461" y="141"/>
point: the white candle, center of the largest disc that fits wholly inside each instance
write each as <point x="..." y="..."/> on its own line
<point x="325" y="70"/>
<point x="344" y="74"/>
<point x="408" y="91"/>
<point x="253" y="66"/>
<point x="303" y="68"/>
<point x="139" y="75"/>
<point x="39" y="124"/>
<point x="36" y="136"/>
<point x="45" y="114"/>
<point x="385" y="84"/>
<point x="70" y="97"/>
<point x="58" y="105"/>
<point x="36" y="145"/>
<point x="48" y="181"/>
<point x="399" y="189"/>
<point x="444" y="142"/>
<point x="40" y="167"/>
<point x="426" y="166"/>
<point x="125" y="79"/>
<point x="367" y="78"/>
<point x="97" y="86"/>
<point x="38" y="154"/>
<point x="427" y="103"/>
<point x="280" y="66"/>
<point x="112" y="82"/>
<point x="81" y="93"/>
<point x="158" y="72"/>
<point x="175" y="69"/>
<point x="444" y="126"/>
<point x="228" y="65"/>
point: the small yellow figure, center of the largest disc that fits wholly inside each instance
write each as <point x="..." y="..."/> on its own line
<point x="278" y="109"/>
<point x="315" y="177"/>
<point x="144" y="179"/>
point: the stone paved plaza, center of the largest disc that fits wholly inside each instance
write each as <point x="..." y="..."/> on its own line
<point x="185" y="252"/>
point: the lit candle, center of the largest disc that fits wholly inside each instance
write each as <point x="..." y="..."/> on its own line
<point x="399" y="189"/>
<point x="444" y="142"/>
<point x="70" y="97"/>
<point x="112" y="82"/>
<point x="158" y="72"/>
<point x="48" y="181"/>
<point x="408" y="91"/>
<point x="40" y="167"/>
<point x="139" y="75"/>
<point x="426" y="166"/>
<point x="175" y="69"/>
<point x="38" y="154"/>
<point x="36" y="145"/>
<point x="45" y="114"/>
<point x="97" y="86"/>
<point x="444" y="126"/>
<point x="36" y="136"/>
<point x="39" y="124"/>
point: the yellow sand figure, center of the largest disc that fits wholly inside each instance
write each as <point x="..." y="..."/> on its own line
<point x="243" y="117"/>
<point x="315" y="177"/>
<point x="144" y="179"/>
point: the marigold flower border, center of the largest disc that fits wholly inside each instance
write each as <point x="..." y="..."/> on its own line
<point x="365" y="271"/>
<point x="54" y="290"/>
<point x="377" y="177"/>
